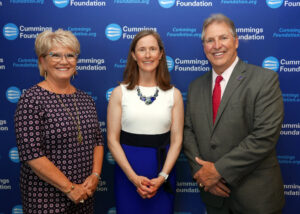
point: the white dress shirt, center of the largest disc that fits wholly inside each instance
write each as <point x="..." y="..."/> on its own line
<point x="226" y="75"/>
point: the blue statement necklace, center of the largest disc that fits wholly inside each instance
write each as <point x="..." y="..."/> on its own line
<point x="147" y="100"/>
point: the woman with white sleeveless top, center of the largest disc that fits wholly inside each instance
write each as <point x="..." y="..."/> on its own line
<point x="145" y="126"/>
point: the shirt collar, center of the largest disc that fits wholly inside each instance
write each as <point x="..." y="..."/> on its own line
<point x="227" y="73"/>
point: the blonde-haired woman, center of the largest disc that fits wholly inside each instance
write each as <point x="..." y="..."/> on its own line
<point x="58" y="137"/>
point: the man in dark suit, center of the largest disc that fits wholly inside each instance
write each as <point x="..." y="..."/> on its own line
<point x="233" y="120"/>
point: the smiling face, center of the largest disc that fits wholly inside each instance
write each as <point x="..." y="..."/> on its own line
<point x="220" y="46"/>
<point x="59" y="69"/>
<point x="147" y="54"/>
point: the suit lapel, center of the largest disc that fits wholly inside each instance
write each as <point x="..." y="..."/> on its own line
<point x="208" y="98"/>
<point x="236" y="78"/>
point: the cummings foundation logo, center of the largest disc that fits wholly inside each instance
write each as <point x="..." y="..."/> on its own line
<point x="121" y="64"/>
<point x="102" y="125"/>
<point x="187" y="187"/>
<point x="110" y="158"/>
<point x="190" y="65"/>
<point x="131" y="1"/>
<point x="182" y="158"/>
<point x="10" y="31"/>
<point x="277" y="3"/>
<point x="13" y="155"/>
<point x="13" y="94"/>
<point x="102" y="186"/>
<point x="5" y="184"/>
<point x="271" y="63"/>
<point x="289" y="159"/>
<point x="243" y="2"/>
<point x="112" y="211"/>
<point x="26" y="1"/>
<point x="108" y="93"/>
<point x="287" y="33"/>
<point x="289" y="65"/>
<point x="292" y="190"/>
<point x="274" y="3"/>
<point x="61" y="3"/>
<point x="291" y="98"/>
<point x="18" y="209"/>
<point x="3" y="125"/>
<point x="91" y="64"/>
<point x="282" y="65"/>
<point x="184" y="32"/>
<point x="184" y="95"/>
<point x="113" y="32"/>
<point x="166" y="3"/>
<point x="184" y="3"/>
<point x="170" y="63"/>
<point x="82" y="31"/>
<point x="25" y="63"/>
<point x="91" y="94"/>
<point x="86" y="3"/>
<point x="250" y="33"/>
<point x="2" y="67"/>
<point x="290" y="128"/>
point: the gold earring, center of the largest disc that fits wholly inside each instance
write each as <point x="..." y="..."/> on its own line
<point x="45" y="75"/>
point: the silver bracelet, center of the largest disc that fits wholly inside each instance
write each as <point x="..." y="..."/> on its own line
<point x="165" y="175"/>
<point x="97" y="175"/>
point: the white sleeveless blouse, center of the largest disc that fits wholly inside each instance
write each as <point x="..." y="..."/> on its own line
<point x="139" y="118"/>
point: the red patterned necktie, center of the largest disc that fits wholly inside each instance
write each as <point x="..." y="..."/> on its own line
<point x="216" y="97"/>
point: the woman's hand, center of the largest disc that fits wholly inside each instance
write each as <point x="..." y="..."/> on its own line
<point x="78" y="194"/>
<point x="143" y="186"/>
<point x="156" y="184"/>
<point x="90" y="184"/>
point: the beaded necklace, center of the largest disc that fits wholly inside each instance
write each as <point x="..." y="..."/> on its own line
<point x="148" y="100"/>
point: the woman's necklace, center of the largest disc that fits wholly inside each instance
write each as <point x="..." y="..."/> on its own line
<point x="79" y="133"/>
<point x="147" y="100"/>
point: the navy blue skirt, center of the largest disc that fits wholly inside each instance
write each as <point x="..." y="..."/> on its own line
<point x="144" y="161"/>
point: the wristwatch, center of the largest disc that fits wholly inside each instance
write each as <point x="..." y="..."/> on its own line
<point x="165" y="175"/>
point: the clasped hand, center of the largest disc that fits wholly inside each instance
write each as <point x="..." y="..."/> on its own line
<point x="209" y="178"/>
<point x="147" y="188"/>
<point x="82" y="191"/>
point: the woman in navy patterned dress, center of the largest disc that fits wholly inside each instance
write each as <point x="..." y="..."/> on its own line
<point x="145" y="126"/>
<point x="58" y="136"/>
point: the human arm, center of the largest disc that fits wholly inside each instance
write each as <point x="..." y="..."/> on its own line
<point x="114" y="114"/>
<point x="49" y="173"/>
<point x="176" y="139"/>
<point x="190" y="146"/>
<point x="91" y="182"/>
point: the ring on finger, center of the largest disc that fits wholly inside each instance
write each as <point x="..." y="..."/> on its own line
<point x="81" y="201"/>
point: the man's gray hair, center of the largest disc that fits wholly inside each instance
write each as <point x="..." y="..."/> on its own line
<point x="218" y="18"/>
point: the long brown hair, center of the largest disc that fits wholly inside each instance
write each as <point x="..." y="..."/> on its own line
<point x="131" y="73"/>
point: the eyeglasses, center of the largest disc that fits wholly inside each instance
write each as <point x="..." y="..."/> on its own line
<point x="70" y="57"/>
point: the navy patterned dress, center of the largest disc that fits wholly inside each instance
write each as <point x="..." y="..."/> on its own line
<point x="44" y="128"/>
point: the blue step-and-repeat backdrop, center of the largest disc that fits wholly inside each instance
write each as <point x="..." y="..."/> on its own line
<point x="269" y="35"/>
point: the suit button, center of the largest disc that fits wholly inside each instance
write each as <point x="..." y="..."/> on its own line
<point x="213" y="147"/>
